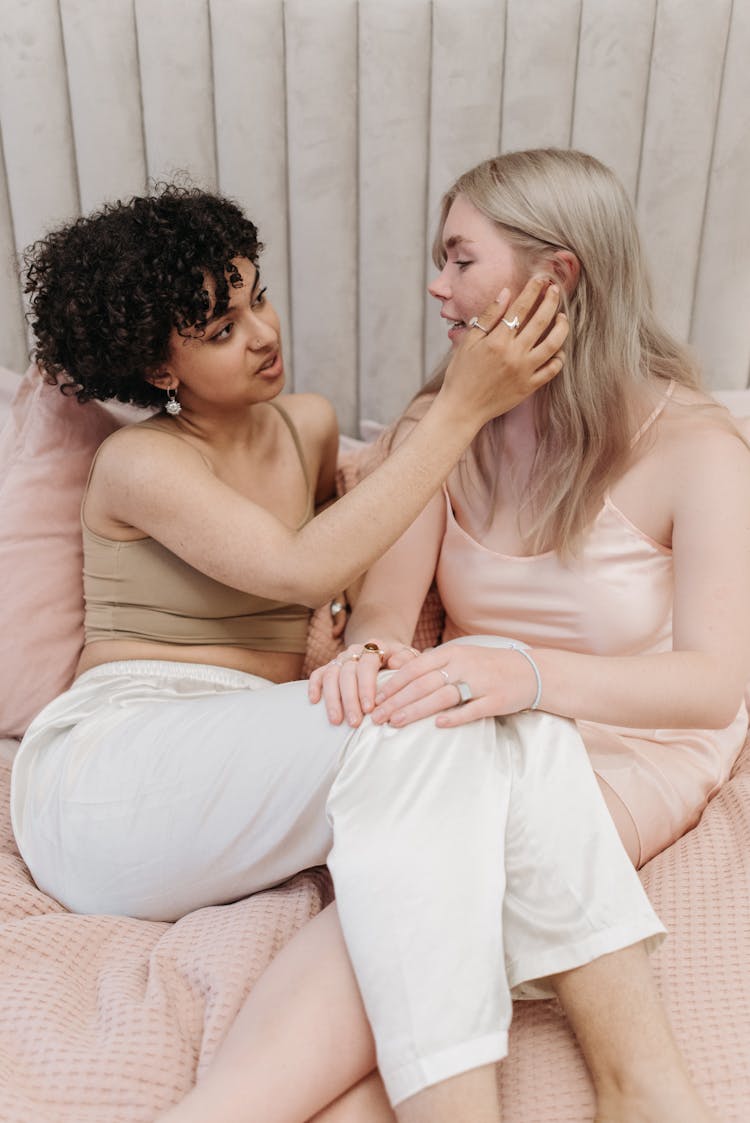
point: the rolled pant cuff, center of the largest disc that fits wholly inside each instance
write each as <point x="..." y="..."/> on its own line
<point x="526" y="974"/>
<point x="409" y="1079"/>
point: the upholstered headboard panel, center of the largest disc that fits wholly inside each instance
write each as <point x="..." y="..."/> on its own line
<point x="338" y="123"/>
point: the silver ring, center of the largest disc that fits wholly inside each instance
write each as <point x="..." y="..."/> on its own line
<point x="512" y="324"/>
<point x="445" y="674"/>
<point x="474" y="323"/>
<point x="335" y="662"/>
<point x="336" y="607"/>
<point x="464" y="693"/>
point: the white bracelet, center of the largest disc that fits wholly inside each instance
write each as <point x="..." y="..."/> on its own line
<point x="530" y="660"/>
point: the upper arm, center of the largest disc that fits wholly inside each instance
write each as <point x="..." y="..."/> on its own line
<point x="711" y="550"/>
<point x="164" y="488"/>
<point x="315" y="419"/>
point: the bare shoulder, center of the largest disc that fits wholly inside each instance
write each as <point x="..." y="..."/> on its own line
<point x="145" y="450"/>
<point x="704" y="450"/>
<point x="313" y="415"/>
<point x="694" y="423"/>
<point x="315" y="420"/>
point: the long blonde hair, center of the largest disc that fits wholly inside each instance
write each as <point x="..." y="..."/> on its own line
<point x="550" y="199"/>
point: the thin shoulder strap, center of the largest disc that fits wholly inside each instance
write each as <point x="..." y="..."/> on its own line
<point x="298" y="445"/>
<point x="653" y="415"/>
<point x="88" y="479"/>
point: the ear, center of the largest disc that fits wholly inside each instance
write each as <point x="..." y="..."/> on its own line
<point x="566" y="268"/>
<point x="163" y="380"/>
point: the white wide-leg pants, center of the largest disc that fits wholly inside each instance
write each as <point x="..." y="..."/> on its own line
<point x="468" y="863"/>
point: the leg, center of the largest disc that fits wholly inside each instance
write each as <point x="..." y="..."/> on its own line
<point x="470" y="1097"/>
<point x="418" y="819"/>
<point x="292" y="1005"/>
<point x="638" y="1072"/>
<point x="302" y="1040"/>
<point x="211" y="783"/>
<point x="366" y="1102"/>
<point x="610" y="999"/>
<point x="622" y="1027"/>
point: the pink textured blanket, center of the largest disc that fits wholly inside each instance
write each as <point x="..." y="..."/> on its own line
<point x="109" y="1019"/>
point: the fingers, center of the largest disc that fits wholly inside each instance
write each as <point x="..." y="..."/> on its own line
<point x="315" y="684"/>
<point x="338" y="624"/>
<point x="492" y="314"/>
<point x="423" y="663"/>
<point x="462" y="715"/>
<point x="347" y="684"/>
<point x="427" y="695"/>
<point x="548" y="370"/>
<point x="537" y="303"/>
<point x="401" y="657"/>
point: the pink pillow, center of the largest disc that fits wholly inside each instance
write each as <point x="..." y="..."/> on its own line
<point x="46" y="448"/>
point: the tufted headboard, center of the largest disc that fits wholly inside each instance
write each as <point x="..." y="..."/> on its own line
<point x="338" y="123"/>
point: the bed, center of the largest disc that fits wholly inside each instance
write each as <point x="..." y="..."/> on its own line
<point x="364" y="111"/>
<point x="111" y="1019"/>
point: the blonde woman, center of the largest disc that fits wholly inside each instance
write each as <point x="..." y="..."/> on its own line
<point x="592" y="552"/>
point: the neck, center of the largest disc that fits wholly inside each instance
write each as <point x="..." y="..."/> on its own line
<point x="220" y="429"/>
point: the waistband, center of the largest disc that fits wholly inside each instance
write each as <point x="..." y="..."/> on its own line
<point x="168" y="669"/>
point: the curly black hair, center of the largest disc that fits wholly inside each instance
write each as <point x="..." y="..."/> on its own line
<point x="107" y="290"/>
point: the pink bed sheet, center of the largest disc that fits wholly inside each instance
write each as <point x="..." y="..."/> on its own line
<point x="110" y="1019"/>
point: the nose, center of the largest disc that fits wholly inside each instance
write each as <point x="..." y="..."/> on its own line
<point x="439" y="287"/>
<point x="262" y="333"/>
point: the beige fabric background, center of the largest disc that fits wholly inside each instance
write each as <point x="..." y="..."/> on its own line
<point x="338" y="123"/>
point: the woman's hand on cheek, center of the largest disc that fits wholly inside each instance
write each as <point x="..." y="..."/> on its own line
<point x="500" y="681"/>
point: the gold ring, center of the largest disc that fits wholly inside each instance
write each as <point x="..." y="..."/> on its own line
<point x="372" y="648"/>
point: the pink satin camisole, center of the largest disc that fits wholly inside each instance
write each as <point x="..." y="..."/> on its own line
<point x="614" y="599"/>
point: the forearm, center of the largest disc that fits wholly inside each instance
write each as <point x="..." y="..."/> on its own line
<point x="348" y="537"/>
<point x="679" y="690"/>
<point x="377" y="620"/>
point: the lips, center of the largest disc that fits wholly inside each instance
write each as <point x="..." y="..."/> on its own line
<point x="273" y="366"/>
<point x="455" y="329"/>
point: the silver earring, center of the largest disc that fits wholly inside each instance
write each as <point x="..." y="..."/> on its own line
<point x="172" y="407"/>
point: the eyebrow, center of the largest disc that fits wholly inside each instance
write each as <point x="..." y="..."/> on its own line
<point x="227" y="311"/>
<point x="455" y="240"/>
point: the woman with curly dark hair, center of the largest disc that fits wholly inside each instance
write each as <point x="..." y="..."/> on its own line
<point x="185" y="766"/>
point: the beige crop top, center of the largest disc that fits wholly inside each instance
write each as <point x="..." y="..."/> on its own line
<point x="140" y="590"/>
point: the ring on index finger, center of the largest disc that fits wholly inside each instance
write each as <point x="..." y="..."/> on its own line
<point x="513" y="324"/>
<point x="474" y="323"/>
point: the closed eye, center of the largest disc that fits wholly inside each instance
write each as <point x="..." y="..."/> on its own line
<point x="260" y="298"/>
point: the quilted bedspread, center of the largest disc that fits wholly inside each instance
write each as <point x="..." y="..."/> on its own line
<point x="110" y="1019"/>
